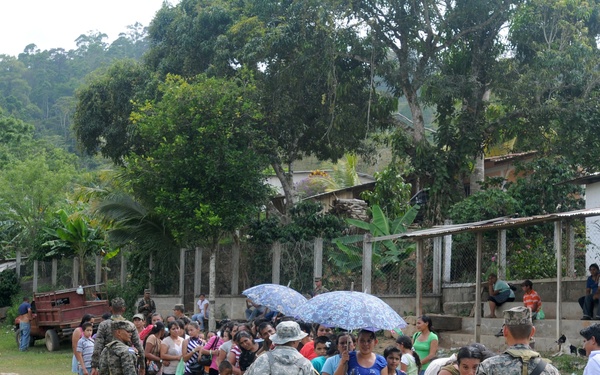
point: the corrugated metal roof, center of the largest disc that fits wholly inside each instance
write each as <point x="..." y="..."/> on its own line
<point x="589" y="179"/>
<point x="492" y="224"/>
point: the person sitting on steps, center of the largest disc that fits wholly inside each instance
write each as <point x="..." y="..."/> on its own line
<point x="500" y="292"/>
<point x="590" y="299"/>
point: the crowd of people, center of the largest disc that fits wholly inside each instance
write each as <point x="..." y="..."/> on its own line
<point x="286" y="346"/>
<point x="276" y="344"/>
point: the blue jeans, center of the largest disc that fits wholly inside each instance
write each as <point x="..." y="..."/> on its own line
<point x="89" y="369"/>
<point x="200" y="319"/>
<point x="25" y="330"/>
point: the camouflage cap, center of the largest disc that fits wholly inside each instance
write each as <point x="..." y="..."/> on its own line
<point x="122" y="324"/>
<point x="520" y="315"/>
<point x="118" y="302"/>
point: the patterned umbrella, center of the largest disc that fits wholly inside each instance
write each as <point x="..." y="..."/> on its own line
<point x="275" y="297"/>
<point x="350" y="311"/>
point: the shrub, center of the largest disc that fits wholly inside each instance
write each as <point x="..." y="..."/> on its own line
<point x="9" y="286"/>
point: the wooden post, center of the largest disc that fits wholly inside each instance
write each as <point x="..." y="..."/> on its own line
<point x="197" y="274"/>
<point x="181" y="274"/>
<point x="98" y="278"/>
<point x="54" y="271"/>
<point x="275" y="271"/>
<point x="571" y="250"/>
<point x="447" y="255"/>
<point x="75" y="272"/>
<point x="318" y="257"/>
<point x="501" y="255"/>
<point x="123" y="275"/>
<point x="18" y="263"/>
<point x="477" y="309"/>
<point x="558" y="252"/>
<point x="35" y="275"/>
<point x="235" y="266"/>
<point x="437" y="265"/>
<point x="419" y="279"/>
<point x="367" y="262"/>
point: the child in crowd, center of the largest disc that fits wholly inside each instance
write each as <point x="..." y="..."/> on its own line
<point x="85" y="349"/>
<point x="225" y="368"/>
<point x="392" y="355"/>
<point x="322" y="345"/>
<point x="410" y="362"/>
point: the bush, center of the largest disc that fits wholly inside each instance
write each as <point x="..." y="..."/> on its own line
<point x="9" y="287"/>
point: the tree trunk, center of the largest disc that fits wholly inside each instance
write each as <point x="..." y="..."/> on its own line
<point x="287" y="184"/>
<point x="212" y="287"/>
<point x="478" y="174"/>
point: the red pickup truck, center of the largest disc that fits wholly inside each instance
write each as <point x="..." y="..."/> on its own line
<point x="58" y="313"/>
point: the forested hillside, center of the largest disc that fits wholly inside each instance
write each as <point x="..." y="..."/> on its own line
<point x="38" y="87"/>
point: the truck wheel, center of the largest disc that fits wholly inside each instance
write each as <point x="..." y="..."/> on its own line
<point x="52" y="341"/>
<point x="18" y="339"/>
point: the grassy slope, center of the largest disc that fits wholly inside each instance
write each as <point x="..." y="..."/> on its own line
<point x="37" y="361"/>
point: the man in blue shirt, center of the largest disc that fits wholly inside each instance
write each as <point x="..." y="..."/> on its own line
<point x="25" y="317"/>
<point x="590" y="299"/>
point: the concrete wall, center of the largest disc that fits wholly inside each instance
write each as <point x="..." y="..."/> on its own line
<point x="233" y="307"/>
<point x="461" y="295"/>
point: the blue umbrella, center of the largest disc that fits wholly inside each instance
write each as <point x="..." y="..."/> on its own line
<point x="275" y="297"/>
<point x="350" y="311"/>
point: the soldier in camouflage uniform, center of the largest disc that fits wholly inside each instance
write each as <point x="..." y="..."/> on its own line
<point x="104" y="336"/>
<point x="518" y="359"/>
<point x="118" y="358"/>
<point x="285" y="358"/>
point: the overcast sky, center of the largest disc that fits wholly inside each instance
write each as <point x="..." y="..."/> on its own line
<point x="57" y="23"/>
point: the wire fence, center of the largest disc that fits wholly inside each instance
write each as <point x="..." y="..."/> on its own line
<point x="517" y="254"/>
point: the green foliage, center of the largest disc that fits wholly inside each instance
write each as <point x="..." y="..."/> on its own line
<point x="384" y="252"/>
<point x="308" y="221"/>
<point x="77" y="236"/>
<point x="540" y="189"/>
<point x="31" y="188"/>
<point x="483" y="205"/>
<point x="391" y="192"/>
<point x="200" y="167"/>
<point x="9" y="286"/>
<point x="102" y="118"/>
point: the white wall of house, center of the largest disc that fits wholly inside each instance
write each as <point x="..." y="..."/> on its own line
<point x="592" y="224"/>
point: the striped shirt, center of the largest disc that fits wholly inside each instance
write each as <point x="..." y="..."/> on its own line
<point x="85" y="346"/>
<point x="192" y="344"/>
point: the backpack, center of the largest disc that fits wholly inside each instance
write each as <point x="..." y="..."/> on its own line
<point x="526" y="355"/>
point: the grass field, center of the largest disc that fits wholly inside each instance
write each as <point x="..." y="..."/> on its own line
<point x="39" y="361"/>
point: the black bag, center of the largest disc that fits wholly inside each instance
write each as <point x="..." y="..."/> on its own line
<point x="196" y="368"/>
<point x="512" y="286"/>
<point x="205" y="360"/>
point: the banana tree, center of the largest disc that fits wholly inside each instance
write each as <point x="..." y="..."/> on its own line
<point x="79" y="236"/>
<point x="385" y="253"/>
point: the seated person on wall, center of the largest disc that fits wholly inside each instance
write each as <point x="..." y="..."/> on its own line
<point x="531" y="299"/>
<point x="253" y="310"/>
<point x="499" y="292"/>
<point x="590" y="299"/>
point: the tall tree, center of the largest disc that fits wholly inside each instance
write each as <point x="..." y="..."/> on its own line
<point x="201" y="168"/>
<point x="552" y="82"/>
<point x="102" y="117"/>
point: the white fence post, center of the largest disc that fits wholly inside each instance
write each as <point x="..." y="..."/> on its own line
<point x="367" y="262"/>
<point x="275" y="272"/>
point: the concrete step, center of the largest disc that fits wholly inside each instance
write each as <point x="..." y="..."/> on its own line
<point x="545" y="335"/>
<point x="455" y="340"/>
<point x="570" y="310"/>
